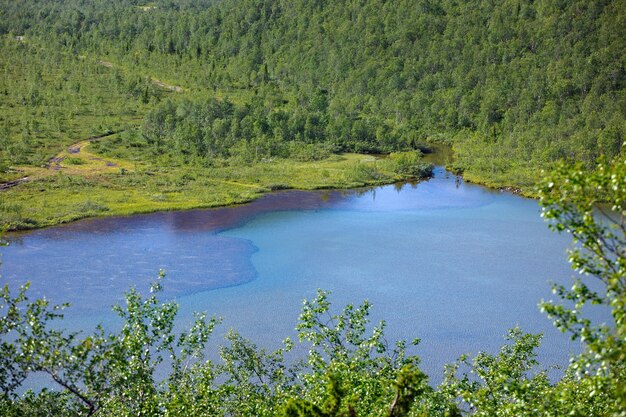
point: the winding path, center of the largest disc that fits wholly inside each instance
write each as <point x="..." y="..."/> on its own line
<point x="54" y="163"/>
<point x="155" y="81"/>
<point x="10" y="184"/>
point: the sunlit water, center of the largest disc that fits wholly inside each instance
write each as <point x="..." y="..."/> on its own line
<point x="451" y="263"/>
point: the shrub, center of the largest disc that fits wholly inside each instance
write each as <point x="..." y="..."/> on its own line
<point x="409" y="164"/>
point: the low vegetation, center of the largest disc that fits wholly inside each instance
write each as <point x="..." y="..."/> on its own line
<point x="514" y="87"/>
<point x="94" y="189"/>
<point x="125" y="107"/>
<point x="349" y="369"/>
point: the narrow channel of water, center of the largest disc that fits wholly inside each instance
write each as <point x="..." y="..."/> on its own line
<point x="451" y="263"/>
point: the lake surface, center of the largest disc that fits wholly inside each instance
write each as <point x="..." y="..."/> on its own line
<point x="452" y="263"/>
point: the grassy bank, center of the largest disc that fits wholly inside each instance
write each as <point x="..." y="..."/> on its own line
<point x="521" y="182"/>
<point x="488" y="168"/>
<point x="89" y="185"/>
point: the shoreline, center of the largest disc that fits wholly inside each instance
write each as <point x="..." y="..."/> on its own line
<point x="258" y="192"/>
<point x="488" y="183"/>
<point x="226" y="187"/>
<point x="262" y="194"/>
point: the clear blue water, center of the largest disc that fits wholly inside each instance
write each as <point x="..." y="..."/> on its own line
<point x="451" y="263"/>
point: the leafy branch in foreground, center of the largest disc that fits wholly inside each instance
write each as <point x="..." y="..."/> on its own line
<point x="349" y="369"/>
<point x="360" y="369"/>
<point x="115" y="371"/>
<point x="591" y="206"/>
<point x="500" y="384"/>
<point x="346" y="370"/>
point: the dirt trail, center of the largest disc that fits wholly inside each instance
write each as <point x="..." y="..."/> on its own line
<point x="10" y="184"/>
<point x="155" y="81"/>
<point x="54" y="163"/>
<point x="174" y="88"/>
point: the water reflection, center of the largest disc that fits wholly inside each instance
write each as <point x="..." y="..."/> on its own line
<point x="450" y="262"/>
<point x="91" y="262"/>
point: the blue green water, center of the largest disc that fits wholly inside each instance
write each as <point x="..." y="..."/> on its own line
<point x="451" y="263"/>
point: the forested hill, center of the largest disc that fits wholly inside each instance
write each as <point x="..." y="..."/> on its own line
<point x="515" y="85"/>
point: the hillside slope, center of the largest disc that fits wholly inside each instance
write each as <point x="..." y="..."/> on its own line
<point x="514" y="85"/>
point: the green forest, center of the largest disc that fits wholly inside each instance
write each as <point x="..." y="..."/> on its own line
<point x="127" y="106"/>
<point x="514" y="87"/>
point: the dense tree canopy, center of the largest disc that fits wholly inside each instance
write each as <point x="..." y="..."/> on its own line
<point x="514" y="84"/>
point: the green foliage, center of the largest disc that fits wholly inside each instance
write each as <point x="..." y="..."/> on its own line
<point x="89" y="206"/>
<point x="73" y="161"/>
<point x="500" y="385"/>
<point x="515" y="85"/>
<point x="213" y="128"/>
<point x="410" y="385"/>
<point x="110" y="372"/>
<point x="346" y="371"/>
<point x="151" y="184"/>
<point x="409" y="164"/>
<point x="592" y="208"/>
<point x="360" y="368"/>
<point x="51" y="97"/>
<point x="349" y="368"/>
<point x="360" y="173"/>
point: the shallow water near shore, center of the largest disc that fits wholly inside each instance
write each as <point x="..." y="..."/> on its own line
<point x="452" y="263"/>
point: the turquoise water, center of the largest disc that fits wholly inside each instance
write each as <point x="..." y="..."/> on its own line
<point x="451" y="263"/>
